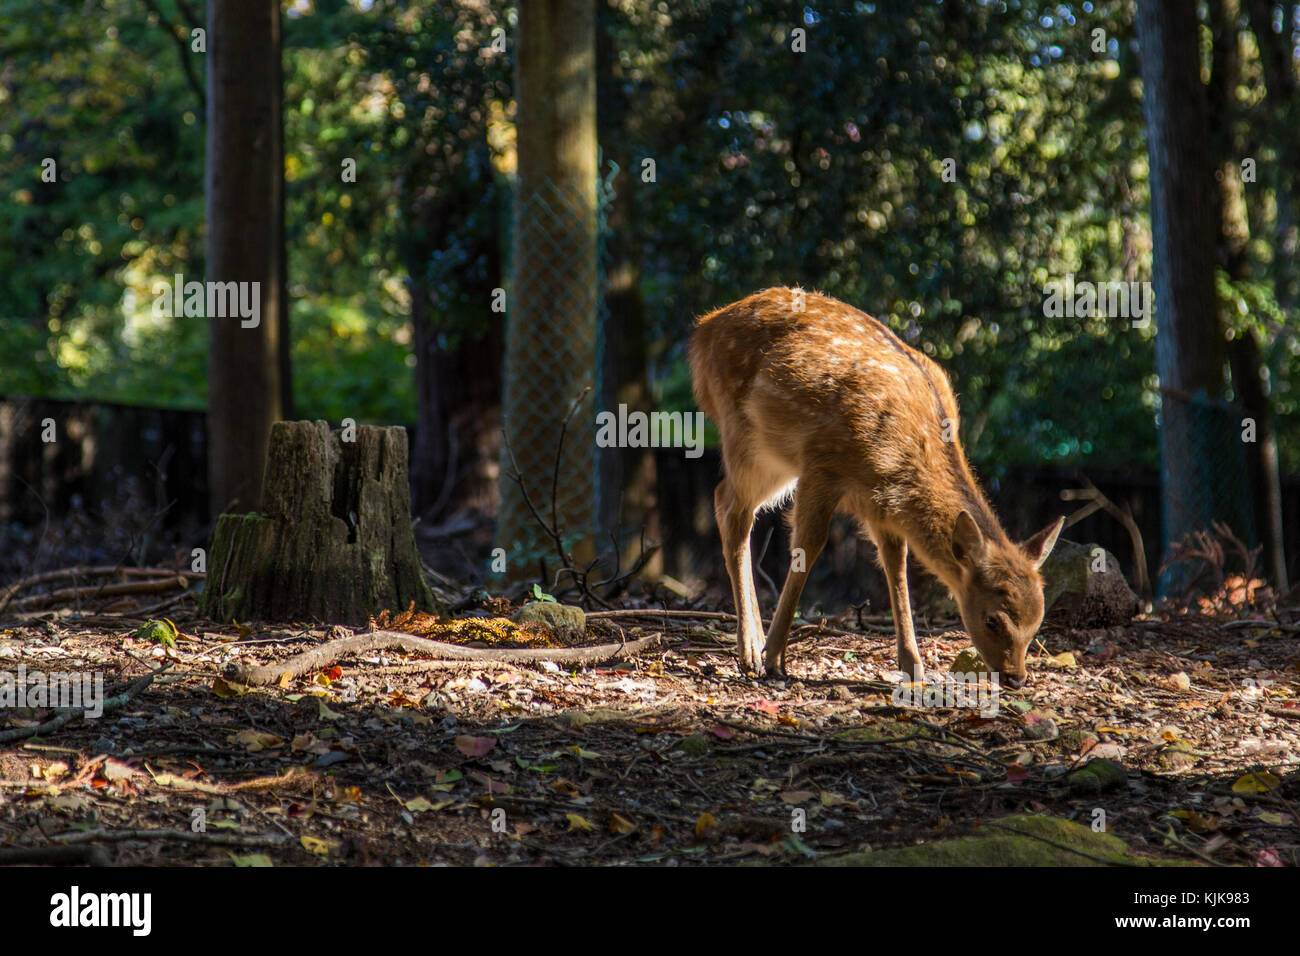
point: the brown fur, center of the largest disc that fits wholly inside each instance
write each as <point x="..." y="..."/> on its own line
<point x="829" y="404"/>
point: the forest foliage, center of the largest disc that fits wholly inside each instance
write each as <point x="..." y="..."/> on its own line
<point x="824" y="168"/>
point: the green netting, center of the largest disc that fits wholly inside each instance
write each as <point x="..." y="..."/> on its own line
<point x="1203" y="440"/>
<point x="553" y="353"/>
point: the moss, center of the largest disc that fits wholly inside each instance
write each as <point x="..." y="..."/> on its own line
<point x="1099" y="776"/>
<point x="567" y="621"/>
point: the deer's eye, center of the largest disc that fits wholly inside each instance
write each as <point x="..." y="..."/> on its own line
<point x="992" y="623"/>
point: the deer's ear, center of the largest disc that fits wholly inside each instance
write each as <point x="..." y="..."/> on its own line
<point x="1040" y="545"/>
<point x="967" y="539"/>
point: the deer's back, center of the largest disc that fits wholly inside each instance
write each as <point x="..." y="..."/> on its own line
<point x="830" y="375"/>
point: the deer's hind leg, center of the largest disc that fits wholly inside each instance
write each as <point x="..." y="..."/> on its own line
<point x="736" y="500"/>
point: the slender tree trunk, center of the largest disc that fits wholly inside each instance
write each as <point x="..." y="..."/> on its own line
<point x="458" y="381"/>
<point x="245" y="198"/>
<point x="1284" y="136"/>
<point x="628" y="480"/>
<point x="1234" y="259"/>
<point x="551" y="336"/>
<point x="1189" y="346"/>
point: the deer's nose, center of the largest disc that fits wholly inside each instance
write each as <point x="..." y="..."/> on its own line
<point x="1015" y="683"/>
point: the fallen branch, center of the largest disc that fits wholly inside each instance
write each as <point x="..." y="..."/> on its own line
<point x="879" y="621"/>
<point x="326" y="654"/>
<point x="67" y="714"/>
<point x="187" y="836"/>
<point x="95" y="571"/>
<point x="54" y="856"/>
<point x="65" y="595"/>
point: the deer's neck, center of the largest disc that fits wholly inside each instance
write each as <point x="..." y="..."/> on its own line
<point x="927" y="521"/>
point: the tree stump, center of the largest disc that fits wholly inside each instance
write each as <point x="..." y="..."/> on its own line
<point x="334" y="542"/>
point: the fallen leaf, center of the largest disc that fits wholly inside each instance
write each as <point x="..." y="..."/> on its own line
<point x="1195" y="821"/>
<point x="1275" y="819"/>
<point x="796" y="796"/>
<point x="578" y="822"/>
<point x="492" y="786"/>
<point x="250" y="859"/>
<point x="224" y="688"/>
<point x="474" y="746"/>
<point x="1261" y="782"/>
<point x="566" y="788"/>
<point x="618" y="824"/>
<point x="115" y="770"/>
<point x="704" y="824"/>
<point x="317" y="846"/>
<point x="256" y="740"/>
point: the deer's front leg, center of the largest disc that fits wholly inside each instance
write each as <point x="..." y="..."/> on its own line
<point x="813" y="507"/>
<point x="893" y="558"/>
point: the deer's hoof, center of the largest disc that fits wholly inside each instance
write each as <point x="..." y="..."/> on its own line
<point x="751" y="662"/>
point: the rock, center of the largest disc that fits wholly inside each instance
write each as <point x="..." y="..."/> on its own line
<point x="696" y="745"/>
<point x="568" y="623"/>
<point x="1017" y="840"/>
<point x="1179" y="755"/>
<point x="1077" y="595"/>
<point x="968" y="662"/>
<point x="578" y="719"/>
<point x="1097" y="777"/>
<point x="1075" y="741"/>
<point x="1042" y="730"/>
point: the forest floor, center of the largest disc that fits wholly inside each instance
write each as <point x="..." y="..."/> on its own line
<point x="669" y="757"/>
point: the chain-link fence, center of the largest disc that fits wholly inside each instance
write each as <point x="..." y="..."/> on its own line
<point x="1208" y="479"/>
<point x="553" y="357"/>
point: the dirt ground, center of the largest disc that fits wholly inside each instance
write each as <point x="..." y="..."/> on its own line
<point x="667" y="758"/>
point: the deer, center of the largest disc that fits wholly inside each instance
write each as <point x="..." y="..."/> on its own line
<point x="816" y="400"/>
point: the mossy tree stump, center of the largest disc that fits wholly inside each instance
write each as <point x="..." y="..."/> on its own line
<point x="334" y="541"/>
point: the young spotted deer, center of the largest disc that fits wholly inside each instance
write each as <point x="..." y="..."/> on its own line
<point x="814" y="397"/>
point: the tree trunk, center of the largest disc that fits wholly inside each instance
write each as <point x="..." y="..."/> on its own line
<point x="1194" y="432"/>
<point x="334" y="541"/>
<point x="551" y="334"/>
<point x="458" y="383"/>
<point x="628" y="480"/>
<point x="245" y="201"/>
<point x="1234" y="259"/>
<point x="1284" y="136"/>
